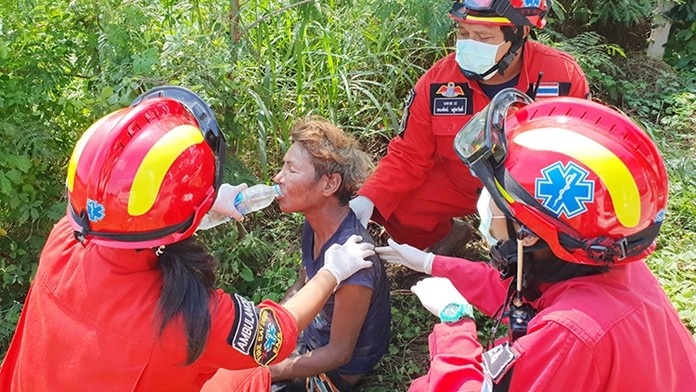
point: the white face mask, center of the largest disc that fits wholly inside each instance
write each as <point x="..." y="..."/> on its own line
<point x="484" y="210"/>
<point x="476" y="56"/>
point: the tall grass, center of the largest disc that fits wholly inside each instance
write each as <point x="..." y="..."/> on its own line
<point x="345" y="62"/>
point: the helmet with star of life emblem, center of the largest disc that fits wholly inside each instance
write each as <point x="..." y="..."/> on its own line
<point x="502" y="12"/>
<point x="145" y="176"/>
<point x="598" y="182"/>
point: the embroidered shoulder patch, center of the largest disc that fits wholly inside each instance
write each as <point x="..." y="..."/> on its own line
<point x="498" y="360"/>
<point x="269" y="337"/>
<point x="243" y="332"/>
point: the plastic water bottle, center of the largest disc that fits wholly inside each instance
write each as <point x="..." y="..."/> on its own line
<point x="255" y="198"/>
<point x="249" y="200"/>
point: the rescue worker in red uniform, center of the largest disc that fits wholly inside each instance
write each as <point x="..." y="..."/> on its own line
<point x="420" y="185"/>
<point x="124" y="296"/>
<point x="575" y="194"/>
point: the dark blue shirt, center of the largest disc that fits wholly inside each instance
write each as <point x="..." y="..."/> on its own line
<point x="373" y="341"/>
<point x="492" y="89"/>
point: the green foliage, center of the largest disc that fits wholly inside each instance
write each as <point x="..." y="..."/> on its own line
<point x="336" y="61"/>
<point x="43" y="75"/>
<point x="259" y="257"/>
<point x="671" y="123"/>
<point x="407" y="358"/>
<point x="675" y="259"/>
<point x="595" y="57"/>
<point x="625" y="23"/>
<point x="681" y="46"/>
<point x="593" y="13"/>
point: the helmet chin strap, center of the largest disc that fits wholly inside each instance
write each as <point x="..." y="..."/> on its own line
<point x="505" y="255"/>
<point x="520" y="312"/>
<point x="501" y="66"/>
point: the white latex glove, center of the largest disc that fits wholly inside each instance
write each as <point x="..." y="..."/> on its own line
<point x="436" y="293"/>
<point x="363" y="208"/>
<point x="224" y="203"/>
<point x="345" y="260"/>
<point x="406" y="255"/>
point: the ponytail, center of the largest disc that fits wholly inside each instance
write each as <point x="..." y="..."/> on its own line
<point x="187" y="272"/>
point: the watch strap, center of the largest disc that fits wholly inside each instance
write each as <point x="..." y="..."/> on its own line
<point x="456" y="311"/>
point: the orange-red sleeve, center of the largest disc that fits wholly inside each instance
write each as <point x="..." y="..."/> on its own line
<point x="245" y="335"/>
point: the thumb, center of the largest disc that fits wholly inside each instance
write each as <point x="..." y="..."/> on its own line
<point x="240" y="187"/>
<point x="384" y="250"/>
<point x="399" y="248"/>
<point x="224" y="201"/>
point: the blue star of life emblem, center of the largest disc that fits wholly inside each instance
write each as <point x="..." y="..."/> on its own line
<point x="271" y="338"/>
<point x="95" y="211"/>
<point x="565" y="189"/>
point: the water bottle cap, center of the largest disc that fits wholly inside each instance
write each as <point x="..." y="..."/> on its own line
<point x="238" y="198"/>
<point x="276" y="188"/>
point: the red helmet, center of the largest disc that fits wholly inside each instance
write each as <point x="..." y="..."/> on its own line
<point x="598" y="182"/>
<point x="502" y="12"/>
<point x="146" y="175"/>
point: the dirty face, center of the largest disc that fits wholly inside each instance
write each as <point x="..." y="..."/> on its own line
<point x="300" y="189"/>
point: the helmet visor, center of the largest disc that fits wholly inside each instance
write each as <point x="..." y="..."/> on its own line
<point x="482" y="146"/>
<point x="479" y="5"/>
<point x="483" y="137"/>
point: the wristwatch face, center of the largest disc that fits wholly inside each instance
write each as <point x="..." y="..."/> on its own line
<point x="454" y="312"/>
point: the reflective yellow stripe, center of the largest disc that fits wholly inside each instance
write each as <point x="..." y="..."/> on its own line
<point x="148" y="179"/>
<point x="488" y="19"/>
<point x="79" y="147"/>
<point x="608" y="167"/>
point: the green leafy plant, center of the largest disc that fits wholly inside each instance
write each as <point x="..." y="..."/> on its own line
<point x="681" y="46"/>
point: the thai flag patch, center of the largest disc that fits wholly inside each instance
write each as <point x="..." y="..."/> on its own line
<point x="548" y="89"/>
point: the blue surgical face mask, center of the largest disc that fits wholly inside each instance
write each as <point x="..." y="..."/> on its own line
<point x="484" y="210"/>
<point x="477" y="57"/>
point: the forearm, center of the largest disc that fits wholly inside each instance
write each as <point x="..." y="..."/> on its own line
<point x="292" y="291"/>
<point x="308" y="364"/>
<point x="307" y="302"/>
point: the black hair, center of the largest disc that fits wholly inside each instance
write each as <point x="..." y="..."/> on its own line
<point x="545" y="266"/>
<point x="189" y="280"/>
<point x="541" y="265"/>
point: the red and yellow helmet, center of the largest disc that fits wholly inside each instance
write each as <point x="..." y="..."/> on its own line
<point x="598" y="182"/>
<point x="146" y="175"/>
<point x="502" y="12"/>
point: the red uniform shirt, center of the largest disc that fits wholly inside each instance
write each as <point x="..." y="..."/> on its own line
<point x="90" y="321"/>
<point x="615" y="331"/>
<point x="421" y="182"/>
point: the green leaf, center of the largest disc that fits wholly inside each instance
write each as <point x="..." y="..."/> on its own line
<point x="22" y="162"/>
<point x="5" y="185"/>
<point x="246" y="274"/>
<point x="14" y="176"/>
<point x="106" y="93"/>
